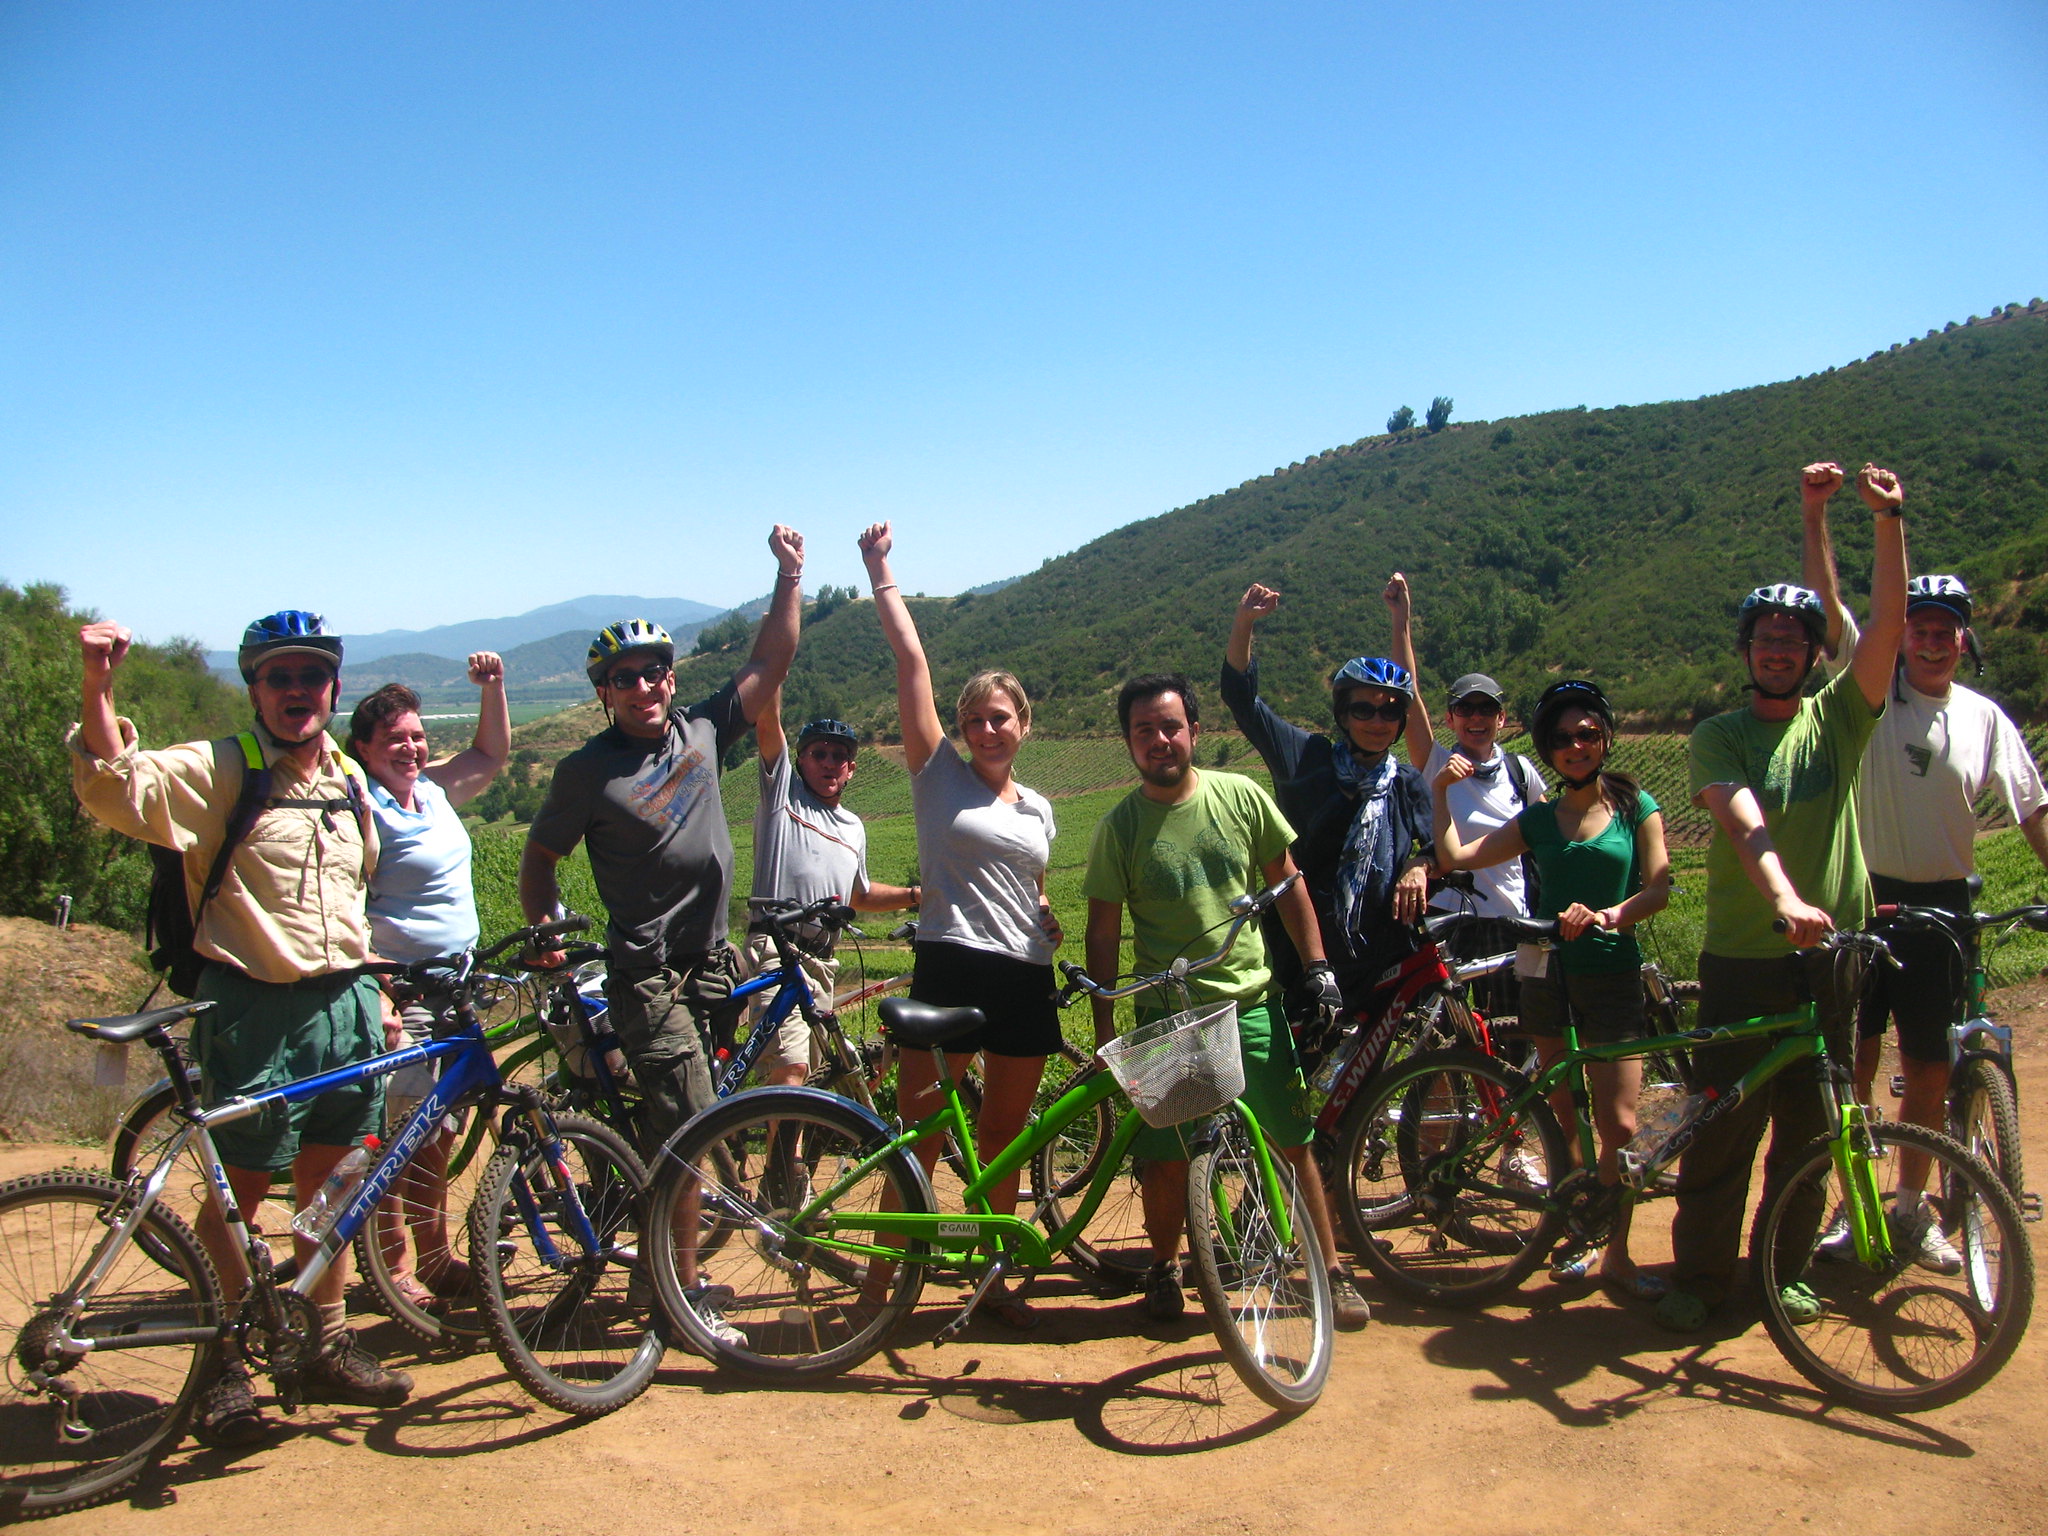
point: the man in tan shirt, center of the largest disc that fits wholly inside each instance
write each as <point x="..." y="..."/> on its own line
<point x="283" y="939"/>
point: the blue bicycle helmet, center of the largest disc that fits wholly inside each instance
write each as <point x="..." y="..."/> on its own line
<point x="283" y="633"/>
<point x="1940" y="592"/>
<point x="1369" y="672"/>
<point x="1800" y="603"/>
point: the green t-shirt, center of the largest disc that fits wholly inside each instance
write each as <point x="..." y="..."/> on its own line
<point x="1600" y="871"/>
<point x="1178" y="868"/>
<point x="1803" y="773"/>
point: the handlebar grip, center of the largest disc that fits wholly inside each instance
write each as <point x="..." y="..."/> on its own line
<point x="1887" y="909"/>
<point x="574" y="922"/>
<point x="1779" y="925"/>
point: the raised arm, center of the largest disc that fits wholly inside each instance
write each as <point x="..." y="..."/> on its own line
<point x="1818" y="482"/>
<point x="1401" y="620"/>
<point x="775" y="644"/>
<point x="915" y="708"/>
<point x="1452" y="851"/>
<point x="1877" y="649"/>
<point x="768" y="727"/>
<point x="102" y="646"/>
<point x="1257" y="602"/>
<point x="466" y="775"/>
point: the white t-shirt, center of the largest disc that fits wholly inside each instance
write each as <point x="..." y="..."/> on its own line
<point x="980" y="860"/>
<point x="804" y="849"/>
<point x="1479" y="804"/>
<point x="1924" y="768"/>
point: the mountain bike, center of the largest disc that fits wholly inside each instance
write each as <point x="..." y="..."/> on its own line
<point x="1983" y="1095"/>
<point x="1477" y="1151"/>
<point x="832" y="1223"/>
<point x="112" y="1317"/>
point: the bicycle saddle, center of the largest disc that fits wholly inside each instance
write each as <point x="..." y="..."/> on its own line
<point x="123" y="1027"/>
<point x="924" y="1025"/>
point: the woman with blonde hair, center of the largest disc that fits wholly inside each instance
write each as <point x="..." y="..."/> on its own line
<point x="985" y="932"/>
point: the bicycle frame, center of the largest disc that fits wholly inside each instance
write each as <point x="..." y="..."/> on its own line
<point x="1412" y="979"/>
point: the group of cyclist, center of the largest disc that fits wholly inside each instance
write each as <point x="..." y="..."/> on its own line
<point x="1877" y="770"/>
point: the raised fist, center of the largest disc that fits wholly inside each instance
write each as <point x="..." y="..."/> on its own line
<point x="103" y="645"/>
<point x="486" y="667"/>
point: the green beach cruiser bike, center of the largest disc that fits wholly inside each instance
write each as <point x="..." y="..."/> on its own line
<point x="1474" y="1147"/>
<point x="829" y="1223"/>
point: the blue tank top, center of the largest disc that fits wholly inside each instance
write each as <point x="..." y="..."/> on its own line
<point x="421" y="902"/>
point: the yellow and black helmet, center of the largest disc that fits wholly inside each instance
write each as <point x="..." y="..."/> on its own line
<point x="614" y="640"/>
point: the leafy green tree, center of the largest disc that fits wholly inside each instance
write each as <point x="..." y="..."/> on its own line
<point x="723" y="634"/>
<point x="1439" y="413"/>
<point x="1402" y="420"/>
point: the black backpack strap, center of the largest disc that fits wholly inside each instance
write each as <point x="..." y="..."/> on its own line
<point x="249" y="803"/>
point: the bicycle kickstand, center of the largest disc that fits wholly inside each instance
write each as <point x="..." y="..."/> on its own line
<point x="995" y="1271"/>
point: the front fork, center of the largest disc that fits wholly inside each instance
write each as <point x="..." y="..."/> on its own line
<point x="1857" y="1156"/>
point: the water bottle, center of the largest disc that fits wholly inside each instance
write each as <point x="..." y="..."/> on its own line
<point x="1331" y="1072"/>
<point x="1656" y="1132"/>
<point x="331" y="1199"/>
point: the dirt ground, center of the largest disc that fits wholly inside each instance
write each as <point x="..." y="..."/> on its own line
<point x="1563" y="1412"/>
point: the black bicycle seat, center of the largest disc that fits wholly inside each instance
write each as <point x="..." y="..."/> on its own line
<point x="924" y="1025"/>
<point x="123" y="1027"/>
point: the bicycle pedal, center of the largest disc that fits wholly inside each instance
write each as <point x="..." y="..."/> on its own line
<point x="2030" y="1205"/>
<point x="1898" y="1085"/>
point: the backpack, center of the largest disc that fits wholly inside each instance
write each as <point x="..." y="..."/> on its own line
<point x="1532" y="882"/>
<point x="173" y="922"/>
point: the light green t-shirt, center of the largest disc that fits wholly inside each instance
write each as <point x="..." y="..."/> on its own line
<point x="1803" y="773"/>
<point x="1177" y="868"/>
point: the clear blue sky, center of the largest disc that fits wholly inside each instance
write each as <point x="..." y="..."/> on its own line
<point x="425" y="312"/>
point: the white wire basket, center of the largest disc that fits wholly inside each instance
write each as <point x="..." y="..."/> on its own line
<point x="1179" y="1067"/>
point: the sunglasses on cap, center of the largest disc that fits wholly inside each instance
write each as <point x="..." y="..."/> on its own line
<point x="621" y="678"/>
<point x="285" y="679"/>
<point x="1361" y="710"/>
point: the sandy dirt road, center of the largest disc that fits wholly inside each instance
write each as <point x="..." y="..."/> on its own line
<point x="1563" y="1412"/>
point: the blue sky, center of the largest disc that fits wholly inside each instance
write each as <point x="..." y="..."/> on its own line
<point x="427" y="312"/>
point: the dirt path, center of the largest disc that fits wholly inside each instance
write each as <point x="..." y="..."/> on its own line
<point x="1561" y="1413"/>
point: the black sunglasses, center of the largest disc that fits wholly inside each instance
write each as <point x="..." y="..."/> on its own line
<point x="627" y="677"/>
<point x="1476" y="707"/>
<point x="285" y="679"/>
<point x="1584" y="736"/>
<point x="1364" y="711"/>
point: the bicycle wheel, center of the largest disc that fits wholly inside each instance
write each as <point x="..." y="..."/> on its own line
<point x="1363" y="1198"/>
<point x="787" y="1308"/>
<point x="560" y="1304"/>
<point x="134" y="1403"/>
<point x="1268" y="1300"/>
<point x="1478" y="1179"/>
<point x="146" y="1128"/>
<point x="1112" y="1250"/>
<point x="1985" y="1117"/>
<point x="1900" y="1336"/>
<point x="419" y="1239"/>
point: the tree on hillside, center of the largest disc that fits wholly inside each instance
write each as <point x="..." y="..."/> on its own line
<point x="1401" y="420"/>
<point x="1439" y="413"/>
<point x="724" y="634"/>
<point x="49" y="847"/>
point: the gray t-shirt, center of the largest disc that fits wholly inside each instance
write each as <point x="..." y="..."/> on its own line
<point x="651" y="815"/>
<point x="980" y="859"/>
<point x="804" y="849"/>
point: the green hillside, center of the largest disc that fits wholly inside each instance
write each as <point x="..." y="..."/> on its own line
<point x="1614" y="543"/>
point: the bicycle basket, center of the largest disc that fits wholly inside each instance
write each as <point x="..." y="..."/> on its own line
<point x="1181" y="1066"/>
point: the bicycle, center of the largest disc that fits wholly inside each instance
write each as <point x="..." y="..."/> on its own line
<point x="1875" y="1330"/>
<point x="832" y="1223"/>
<point x="1983" y="1095"/>
<point x="112" y="1316"/>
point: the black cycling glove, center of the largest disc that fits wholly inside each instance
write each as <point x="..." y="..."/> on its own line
<point x="1316" y="1013"/>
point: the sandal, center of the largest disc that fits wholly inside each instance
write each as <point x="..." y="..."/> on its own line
<point x="1681" y="1312"/>
<point x="1011" y="1313"/>
<point x="1799" y="1304"/>
<point x="1636" y="1286"/>
<point x="415" y="1291"/>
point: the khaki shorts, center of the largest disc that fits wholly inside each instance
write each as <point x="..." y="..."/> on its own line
<point x="793" y="1045"/>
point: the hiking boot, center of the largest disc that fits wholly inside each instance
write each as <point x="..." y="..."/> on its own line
<point x="1164" y="1299"/>
<point x="709" y="1303"/>
<point x="227" y="1414"/>
<point x="349" y="1374"/>
<point x="1916" y="1233"/>
<point x="1351" y="1310"/>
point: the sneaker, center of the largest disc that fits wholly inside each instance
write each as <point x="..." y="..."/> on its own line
<point x="227" y="1413"/>
<point x="1799" y="1304"/>
<point x="348" y="1373"/>
<point x="1164" y="1299"/>
<point x="1917" y="1231"/>
<point x="1575" y="1263"/>
<point x="709" y="1303"/>
<point x="1522" y="1169"/>
<point x="1837" y="1244"/>
<point x="1352" y="1310"/>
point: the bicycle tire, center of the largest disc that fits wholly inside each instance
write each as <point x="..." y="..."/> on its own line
<point x="137" y="1401"/>
<point x="1902" y="1338"/>
<point x="1268" y="1301"/>
<point x="566" y="1329"/>
<point x="1985" y="1117"/>
<point x="1475" y="1229"/>
<point x="139" y="1140"/>
<point x="1440" y="1022"/>
<point x="801" y="1312"/>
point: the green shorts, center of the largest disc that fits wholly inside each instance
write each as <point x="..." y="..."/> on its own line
<point x="262" y="1035"/>
<point x="1274" y="1089"/>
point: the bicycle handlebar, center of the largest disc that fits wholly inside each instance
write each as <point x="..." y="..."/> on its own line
<point x="1244" y="908"/>
<point x="2035" y="917"/>
<point x="1848" y="938"/>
